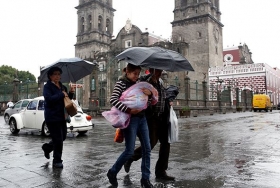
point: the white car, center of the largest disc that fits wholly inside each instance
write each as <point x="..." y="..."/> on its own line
<point x="32" y="117"/>
<point x="16" y="108"/>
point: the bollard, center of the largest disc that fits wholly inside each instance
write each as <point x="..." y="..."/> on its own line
<point x="195" y="113"/>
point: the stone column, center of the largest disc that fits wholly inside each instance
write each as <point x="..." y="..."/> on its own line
<point x="187" y="89"/>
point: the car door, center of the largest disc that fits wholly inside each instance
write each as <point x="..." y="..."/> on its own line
<point x="29" y="115"/>
<point x="40" y="117"/>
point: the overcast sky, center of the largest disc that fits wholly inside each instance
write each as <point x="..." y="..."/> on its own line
<point x="36" y="33"/>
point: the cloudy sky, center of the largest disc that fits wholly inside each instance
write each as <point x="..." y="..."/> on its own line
<point x="36" y="33"/>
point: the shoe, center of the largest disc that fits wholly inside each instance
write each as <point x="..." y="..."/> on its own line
<point x="146" y="183"/>
<point x="127" y="165"/>
<point x="58" y="165"/>
<point x="165" y="177"/>
<point x="47" y="154"/>
<point x="112" y="178"/>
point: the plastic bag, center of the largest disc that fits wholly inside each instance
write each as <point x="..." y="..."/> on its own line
<point x="119" y="137"/>
<point x="173" y="129"/>
<point x="118" y="118"/>
<point x="133" y="97"/>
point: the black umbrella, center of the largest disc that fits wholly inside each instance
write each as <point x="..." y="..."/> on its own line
<point x="156" y="57"/>
<point x="73" y="69"/>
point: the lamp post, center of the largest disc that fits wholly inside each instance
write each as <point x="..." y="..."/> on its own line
<point x="5" y="91"/>
<point x="27" y="82"/>
<point x="176" y="80"/>
<point x="245" y="96"/>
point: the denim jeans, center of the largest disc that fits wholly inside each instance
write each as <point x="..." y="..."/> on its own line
<point x="137" y="127"/>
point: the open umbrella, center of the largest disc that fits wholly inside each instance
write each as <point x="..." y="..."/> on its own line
<point x="73" y="69"/>
<point x="156" y="57"/>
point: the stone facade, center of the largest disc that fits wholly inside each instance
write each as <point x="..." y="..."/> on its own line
<point x="198" y="24"/>
<point x="196" y="34"/>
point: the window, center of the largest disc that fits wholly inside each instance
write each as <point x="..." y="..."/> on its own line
<point x="128" y="44"/>
<point x="89" y="22"/>
<point x="32" y="105"/>
<point x="24" y="104"/>
<point x="107" y="26"/>
<point x="41" y="105"/>
<point x="93" y="84"/>
<point x="100" y="23"/>
<point x="82" y="24"/>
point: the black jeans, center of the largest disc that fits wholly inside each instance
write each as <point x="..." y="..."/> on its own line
<point x="158" y="131"/>
<point x="58" y="132"/>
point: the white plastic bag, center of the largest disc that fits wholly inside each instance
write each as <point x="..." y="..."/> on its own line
<point x="173" y="130"/>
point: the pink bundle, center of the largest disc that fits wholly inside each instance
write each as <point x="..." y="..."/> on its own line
<point x="133" y="97"/>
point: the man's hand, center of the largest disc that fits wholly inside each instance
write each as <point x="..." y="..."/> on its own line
<point x="135" y="111"/>
<point x="146" y="91"/>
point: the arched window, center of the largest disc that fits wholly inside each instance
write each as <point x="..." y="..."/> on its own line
<point x="82" y="24"/>
<point x="89" y="22"/>
<point x="100" y="23"/>
<point x="108" y="23"/>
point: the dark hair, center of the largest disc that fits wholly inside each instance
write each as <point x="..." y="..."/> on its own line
<point x="52" y="70"/>
<point x="131" y="67"/>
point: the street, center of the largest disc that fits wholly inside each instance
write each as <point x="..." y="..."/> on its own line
<point x="233" y="150"/>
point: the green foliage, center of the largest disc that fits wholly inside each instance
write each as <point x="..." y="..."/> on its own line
<point x="8" y="74"/>
<point x="185" y="108"/>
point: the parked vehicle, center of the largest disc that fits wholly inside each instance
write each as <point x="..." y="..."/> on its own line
<point x="32" y="117"/>
<point x="262" y="102"/>
<point x="16" y="108"/>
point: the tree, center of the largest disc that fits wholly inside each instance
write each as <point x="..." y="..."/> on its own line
<point x="8" y="74"/>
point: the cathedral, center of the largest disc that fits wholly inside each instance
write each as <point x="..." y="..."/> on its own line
<point x="196" y="33"/>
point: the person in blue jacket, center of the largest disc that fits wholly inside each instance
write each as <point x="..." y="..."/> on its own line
<point x="55" y="115"/>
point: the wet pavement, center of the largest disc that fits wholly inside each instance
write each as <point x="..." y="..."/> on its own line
<point x="234" y="150"/>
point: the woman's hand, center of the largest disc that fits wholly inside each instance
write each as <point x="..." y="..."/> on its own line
<point x="65" y="94"/>
<point x="135" y="111"/>
<point x="72" y="89"/>
<point x="146" y="91"/>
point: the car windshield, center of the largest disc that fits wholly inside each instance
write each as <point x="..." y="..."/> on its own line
<point x="24" y="103"/>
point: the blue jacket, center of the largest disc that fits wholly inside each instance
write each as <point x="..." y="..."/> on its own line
<point x="54" y="102"/>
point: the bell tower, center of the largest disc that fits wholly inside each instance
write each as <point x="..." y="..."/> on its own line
<point x="197" y="24"/>
<point x="95" y="27"/>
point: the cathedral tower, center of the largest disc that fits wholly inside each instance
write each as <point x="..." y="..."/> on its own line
<point x="197" y="24"/>
<point x="95" y="27"/>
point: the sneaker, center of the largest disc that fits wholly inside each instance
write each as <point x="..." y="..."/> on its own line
<point x="58" y="165"/>
<point x="146" y="183"/>
<point x="46" y="153"/>
<point x="127" y="165"/>
<point x="164" y="176"/>
<point x="112" y="178"/>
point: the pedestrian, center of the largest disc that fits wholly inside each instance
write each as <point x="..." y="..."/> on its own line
<point x="137" y="126"/>
<point x="55" y="115"/>
<point x="10" y="104"/>
<point x="158" y="121"/>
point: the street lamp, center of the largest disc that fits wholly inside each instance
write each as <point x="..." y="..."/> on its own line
<point x="5" y="91"/>
<point x="176" y="80"/>
<point x="27" y="82"/>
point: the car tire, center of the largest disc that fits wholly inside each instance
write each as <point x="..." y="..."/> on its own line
<point x="82" y="132"/>
<point x="13" y="126"/>
<point x="6" y="118"/>
<point x="45" y="130"/>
